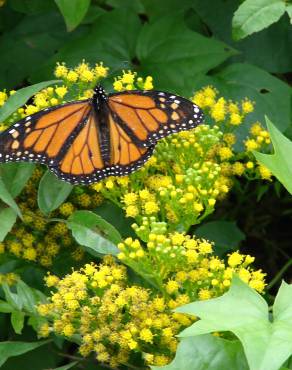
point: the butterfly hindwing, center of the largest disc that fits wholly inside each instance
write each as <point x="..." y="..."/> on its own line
<point x="83" y="163"/>
<point x="148" y="116"/>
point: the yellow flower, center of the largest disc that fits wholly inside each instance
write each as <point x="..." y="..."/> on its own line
<point x="66" y="209"/>
<point x="128" y="77"/>
<point x="72" y="76"/>
<point x="130" y="198"/>
<point x="238" y="168"/>
<point x="218" y="110"/>
<point x="235" y="259"/>
<point x="148" y="84"/>
<point x="210" y="91"/>
<point x="205" y="247"/>
<point x="118" y="85"/>
<point x="61" y="70"/>
<point x="249" y="165"/>
<point x="100" y="70"/>
<point x="30" y="109"/>
<point x="146" y="335"/>
<point x="172" y="286"/>
<point x="235" y="119"/>
<point x="61" y="91"/>
<point x="44" y="330"/>
<point x="225" y="153"/>
<point x="132" y="211"/>
<point x="247" y="106"/>
<point x="2" y="248"/>
<point x="177" y="238"/>
<point x="233" y="108"/>
<point x="86" y="75"/>
<point x="51" y="280"/>
<point x="109" y="184"/>
<point x="229" y="138"/>
<point x="204" y="294"/>
<point x="211" y="202"/>
<point x="265" y="173"/>
<point x="251" y="144"/>
<point x="258" y="285"/>
<point x="151" y="207"/>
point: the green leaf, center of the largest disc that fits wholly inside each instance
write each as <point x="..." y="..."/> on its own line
<point x="135" y="5"/>
<point x="267" y="342"/>
<point x="116" y="217"/>
<point x="7" y="220"/>
<point x="73" y="11"/>
<point x="17" y="321"/>
<point x="274" y="53"/>
<point x="13" y="299"/>
<point x="66" y="367"/>
<point x="207" y="352"/>
<point x="157" y="9"/>
<point x="255" y="15"/>
<point x="5" y="307"/>
<point x="20" y="97"/>
<point x="174" y="55"/>
<point x="27" y="296"/>
<point x="289" y="11"/>
<point x="106" y="41"/>
<point x="16" y="175"/>
<point x="52" y="192"/>
<point x="11" y="349"/>
<point x="7" y="198"/>
<point x="34" y="39"/>
<point x="226" y="235"/>
<point x="278" y="163"/>
<point x="32" y="6"/>
<point x="93" y="232"/>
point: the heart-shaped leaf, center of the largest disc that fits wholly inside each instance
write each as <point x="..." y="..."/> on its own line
<point x="278" y="163"/>
<point x="267" y="342"/>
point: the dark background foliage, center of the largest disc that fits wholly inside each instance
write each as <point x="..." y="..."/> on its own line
<point x="184" y="45"/>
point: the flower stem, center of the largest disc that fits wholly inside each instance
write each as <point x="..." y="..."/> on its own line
<point x="280" y="274"/>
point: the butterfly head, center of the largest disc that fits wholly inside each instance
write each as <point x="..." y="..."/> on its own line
<point x="99" y="93"/>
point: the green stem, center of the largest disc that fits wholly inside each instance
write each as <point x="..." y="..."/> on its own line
<point x="280" y="274"/>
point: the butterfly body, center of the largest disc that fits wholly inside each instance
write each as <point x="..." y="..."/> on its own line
<point x="85" y="141"/>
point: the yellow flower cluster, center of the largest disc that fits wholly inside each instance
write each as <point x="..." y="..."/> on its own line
<point x="83" y="73"/>
<point x="113" y="319"/>
<point x="36" y="239"/>
<point x="259" y="138"/>
<point x="180" y="265"/>
<point x="221" y="110"/>
<point x="78" y="84"/>
<point x="130" y="81"/>
<point x="231" y="114"/>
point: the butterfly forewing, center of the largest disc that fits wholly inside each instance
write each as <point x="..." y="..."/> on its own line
<point x="44" y="136"/>
<point x="148" y="116"/>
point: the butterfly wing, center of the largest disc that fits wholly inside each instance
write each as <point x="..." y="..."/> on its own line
<point x="45" y="136"/>
<point x="147" y="116"/>
<point x="84" y="161"/>
<point x="79" y="148"/>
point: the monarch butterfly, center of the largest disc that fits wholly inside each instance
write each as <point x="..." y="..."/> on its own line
<point x="108" y="135"/>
